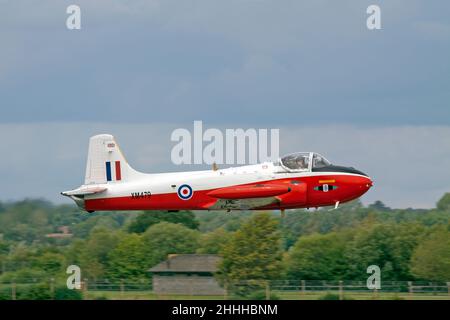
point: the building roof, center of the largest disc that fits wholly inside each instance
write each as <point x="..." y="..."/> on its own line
<point x="65" y="233"/>
<point x="188" y="263"/>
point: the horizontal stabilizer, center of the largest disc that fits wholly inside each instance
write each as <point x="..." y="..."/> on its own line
<point x="82" y="191"/>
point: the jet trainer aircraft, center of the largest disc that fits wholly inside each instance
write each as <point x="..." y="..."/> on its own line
<point x="298" y="180"/>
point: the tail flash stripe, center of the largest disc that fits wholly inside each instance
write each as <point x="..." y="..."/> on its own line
<point x="118" y="172"/>
<point x="108" y="171"/>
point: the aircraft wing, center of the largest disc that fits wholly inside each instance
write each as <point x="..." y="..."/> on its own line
<point x="247" y="197"/>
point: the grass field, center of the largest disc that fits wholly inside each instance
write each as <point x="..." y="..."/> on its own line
<point x="146" y="295"/>
<point x="6" y="293"/>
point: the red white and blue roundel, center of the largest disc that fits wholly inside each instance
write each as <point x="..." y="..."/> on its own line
<point x="185" y="192"/>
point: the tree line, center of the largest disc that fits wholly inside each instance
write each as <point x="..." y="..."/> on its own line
<point x="407" y="244"/>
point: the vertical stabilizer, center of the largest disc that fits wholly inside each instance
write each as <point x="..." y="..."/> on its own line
<point x="105" y="162"/>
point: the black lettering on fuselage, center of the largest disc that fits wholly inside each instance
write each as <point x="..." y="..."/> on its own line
<point x="141" y="195"/>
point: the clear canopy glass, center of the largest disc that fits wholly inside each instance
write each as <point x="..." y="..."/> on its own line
<point x="303" y="161"/>
<point x="319" y="161"/>
<point x="296" y="161"/>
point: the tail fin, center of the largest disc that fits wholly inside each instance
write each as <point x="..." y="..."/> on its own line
<point x="105" y="162"/>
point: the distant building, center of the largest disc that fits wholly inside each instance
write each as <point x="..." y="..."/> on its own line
<point x="189" y="274"/>
<point x="64" y="233"/>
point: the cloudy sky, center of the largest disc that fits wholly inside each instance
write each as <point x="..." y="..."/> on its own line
<point x="378" y="100"/>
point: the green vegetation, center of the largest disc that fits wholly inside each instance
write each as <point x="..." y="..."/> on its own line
<point x="408" y="245"/>
<point x="318" y="256"/>
<point x="431" y="259"/>
<point x="253" y="253"/>
<point x="214" y="242"/>
<point x="144" y="221"/>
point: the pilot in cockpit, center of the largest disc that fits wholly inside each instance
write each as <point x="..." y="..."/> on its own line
<point x="301" y="163"/>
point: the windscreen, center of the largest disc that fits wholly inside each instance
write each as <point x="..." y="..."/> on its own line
<point x="319" y="161"/>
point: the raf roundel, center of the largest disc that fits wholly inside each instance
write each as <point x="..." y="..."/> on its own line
<point x="185" y="192"/>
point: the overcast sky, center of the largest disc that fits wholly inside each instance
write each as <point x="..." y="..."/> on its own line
<point x="378" y="100"/>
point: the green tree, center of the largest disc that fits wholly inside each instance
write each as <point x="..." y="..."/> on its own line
<point x="213" y="242"/>
<point x="20" y="256"/>
<point x="317" y="257"/>
<point x="149" y="218"/>
<point x="164" y="238"/>
<point x="50" y="262"/>
<point x="444" y="203"/>
<point x="4" y="247"/>
<point x="407" y="236"/>
<point x="378" y="205"/>
<point x="130" y="259"/>
<point x="301" y="222"/>
<point x="26" y="220"/>
<point x="35" y="292"/>
<point x="229" y="222"/>
<point x="24" y="275"/>
<point x="253" y="252"/>
<point x="92" y="254"/>
<point x="387" y="245"/>
<point x="63" y="293"/>
<point x="431" y="259"/>
<point x="85" y="228"/>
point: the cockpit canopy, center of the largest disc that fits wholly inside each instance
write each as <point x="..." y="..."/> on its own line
<point x="303" y="161"/>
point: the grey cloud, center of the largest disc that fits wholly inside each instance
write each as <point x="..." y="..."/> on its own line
<point x="226" y="61"/>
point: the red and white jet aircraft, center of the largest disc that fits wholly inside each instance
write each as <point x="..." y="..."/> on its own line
<point x="298" y="180"/>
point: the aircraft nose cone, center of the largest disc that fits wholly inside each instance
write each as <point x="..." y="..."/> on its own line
<point x="362" y="184"/>
<point x="367" y="183"/>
